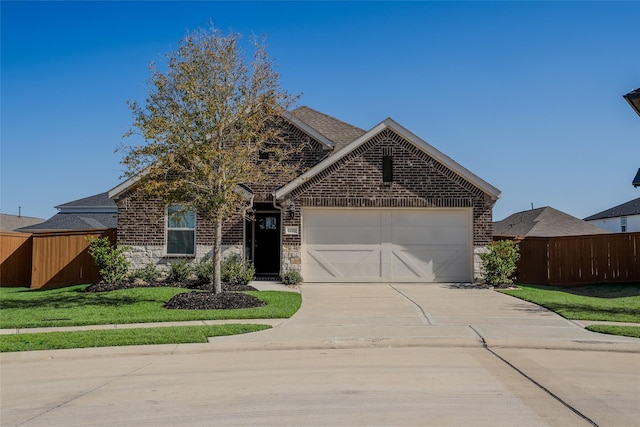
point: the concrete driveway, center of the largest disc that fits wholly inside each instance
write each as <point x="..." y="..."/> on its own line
<point x="401" y="354"/>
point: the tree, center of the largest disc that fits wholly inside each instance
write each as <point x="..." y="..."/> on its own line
<point x="499" y="262"/>
<point x="206" y="121"/>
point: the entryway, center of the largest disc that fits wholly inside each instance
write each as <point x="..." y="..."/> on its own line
<point x="262" y="239"/>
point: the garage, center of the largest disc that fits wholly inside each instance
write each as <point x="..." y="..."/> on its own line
<point x="387" y="245"/>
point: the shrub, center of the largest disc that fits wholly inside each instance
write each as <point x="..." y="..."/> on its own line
<point x="204" y="270"/>
<point x="292" y="277"/>
<point x="499" y="263"/>
<point x="149" y="273"/>
<point x="180" y="271"/>
<point x="236" y="271"/>
<point x="110" y="259"/>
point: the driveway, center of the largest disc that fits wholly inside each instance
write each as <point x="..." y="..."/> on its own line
<point x="401" y="354"/>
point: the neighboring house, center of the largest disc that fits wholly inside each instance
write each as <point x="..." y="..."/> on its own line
<point x="543" y="222"/>
<point x="619" y="219"/>
<point x="93" y="212"/>
<point x="14" y="222"/>
<point x="372" y="206"/>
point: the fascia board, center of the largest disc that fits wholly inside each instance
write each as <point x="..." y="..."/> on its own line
<point x="409" y="136"/>
<point x="308" y="130"/>
<point x="123" y="186"/>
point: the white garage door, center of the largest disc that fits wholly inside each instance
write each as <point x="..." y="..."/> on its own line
<point x="380" y="245"/>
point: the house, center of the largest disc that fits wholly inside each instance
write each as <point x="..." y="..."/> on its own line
<point x="372" y="206"/>
<point x="619" y="219"/>
<point x="543" y="222"/>
<point x="93" y="212"/>
<point x="14" y="222"/>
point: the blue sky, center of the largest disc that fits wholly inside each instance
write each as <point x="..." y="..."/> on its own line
<point x="527" y="95"/>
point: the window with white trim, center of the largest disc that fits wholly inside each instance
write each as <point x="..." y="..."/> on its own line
<point x="623" y="224"/>
<point x="181" y="231"/>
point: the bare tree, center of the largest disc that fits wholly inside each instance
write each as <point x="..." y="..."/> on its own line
<point x="205" y="122"/>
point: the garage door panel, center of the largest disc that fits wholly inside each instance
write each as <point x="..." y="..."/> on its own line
<point x="339" y="262"/>
<point x="418" y="245"/>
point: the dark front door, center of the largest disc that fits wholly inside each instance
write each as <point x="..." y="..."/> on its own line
<point x="266" y="243"/>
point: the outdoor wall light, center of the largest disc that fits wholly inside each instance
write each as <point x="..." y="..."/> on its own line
<point x="292" y="210"/>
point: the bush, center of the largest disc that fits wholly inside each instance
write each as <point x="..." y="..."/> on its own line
<point x="110" y="259"/>
<point x="204" y="270"/>
<point x="149" y="273"/>
<point x="500" y="262"/>
<point x="292" y="277"/>
<point x="180" y="271"/>
<point x="235" y="271"/>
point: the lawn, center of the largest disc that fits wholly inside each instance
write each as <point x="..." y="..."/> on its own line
<point x="119" y="337"/>
<point x="27" y="308"/>
<point x="604" y="302"/>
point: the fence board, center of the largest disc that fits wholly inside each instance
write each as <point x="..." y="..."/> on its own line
<point x="15" y="259"/>
<point x="576" y="260"/>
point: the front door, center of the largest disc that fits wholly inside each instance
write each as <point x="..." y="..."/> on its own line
<point x="266" y="243"/>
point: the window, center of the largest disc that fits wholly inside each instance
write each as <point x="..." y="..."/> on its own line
<point x="181" y="231"/>
<point x="623" y="224"/>
<point x="387" y="169"/>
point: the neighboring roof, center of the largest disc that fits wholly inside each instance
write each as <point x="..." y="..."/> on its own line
<point x="406" y="134"/>
<point x="636" y="180"/>
<point x="75" y="221"/>
<point x="632" y="207"/>
<point x="633" y="98"/>
<point x="544" y="222"/>
<point x="96" y="203"/>
<point x="14" y="222"/>
<point x="338" y="132"/>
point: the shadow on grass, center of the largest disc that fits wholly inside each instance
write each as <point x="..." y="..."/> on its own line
<point x="605" y="290"/>
<point x="73" y="300"/>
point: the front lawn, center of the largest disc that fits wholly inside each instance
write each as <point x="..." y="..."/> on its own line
<point x="27" y="308"/>
<point x="606" y="302"/>
<point x="118" y="337"/>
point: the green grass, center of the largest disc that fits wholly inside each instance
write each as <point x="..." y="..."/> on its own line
<point x="627" y="331"/>
<point x="119" y="337"/>
<point x="27" y="308"/>
<point x="605" y="302"/>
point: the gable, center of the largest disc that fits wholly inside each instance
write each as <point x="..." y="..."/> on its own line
<point x="423" y="169"/>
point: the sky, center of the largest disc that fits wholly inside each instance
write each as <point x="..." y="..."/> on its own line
<point x="526" y="95"/>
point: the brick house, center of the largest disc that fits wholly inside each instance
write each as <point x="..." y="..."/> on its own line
<point x="371" y="206"/>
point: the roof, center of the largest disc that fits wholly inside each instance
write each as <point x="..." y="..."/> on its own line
<point x="636" y="180"/>
<point x="96" y="203"/>
<point x="338" y="132"/>
<point x="632" y="207"/>
<point x="14" y="222"/>
<point x="633" y="98"/>
<point x="389" y="123"/>
<point x="75" y="221"/>
<point x="544" y="222"/>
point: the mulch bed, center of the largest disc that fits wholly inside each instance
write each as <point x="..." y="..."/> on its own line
<point x="230" y="298"/>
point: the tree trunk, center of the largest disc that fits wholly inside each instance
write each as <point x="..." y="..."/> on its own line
<point x="217" y="256"/>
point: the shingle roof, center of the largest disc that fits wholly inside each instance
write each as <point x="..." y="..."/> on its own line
<point x="14" y="222"/>
<point x="544" y="222"/>
<point x="632" y="207"/>
<point x="337" y="131"/>
<point x="98" y="201"/>
<point x="75" y="221"/>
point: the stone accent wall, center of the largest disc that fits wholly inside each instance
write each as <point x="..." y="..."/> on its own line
<point x="291" y="258"/>
<point x="141" y="256"/>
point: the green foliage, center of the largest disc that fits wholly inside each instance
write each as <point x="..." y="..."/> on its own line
<point x="148" y="274"/>
<point x="236" y="271"/>
<point x="499" y="263"/>
<point x="180" y="270"/>
<point x="204" y="270"/>
<point x="292" y="277"/>
<point x="110" y="259"/>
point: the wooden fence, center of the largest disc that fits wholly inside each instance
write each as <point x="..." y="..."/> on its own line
<point x="49" y="259"/>
<point x="579" y="260"/>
